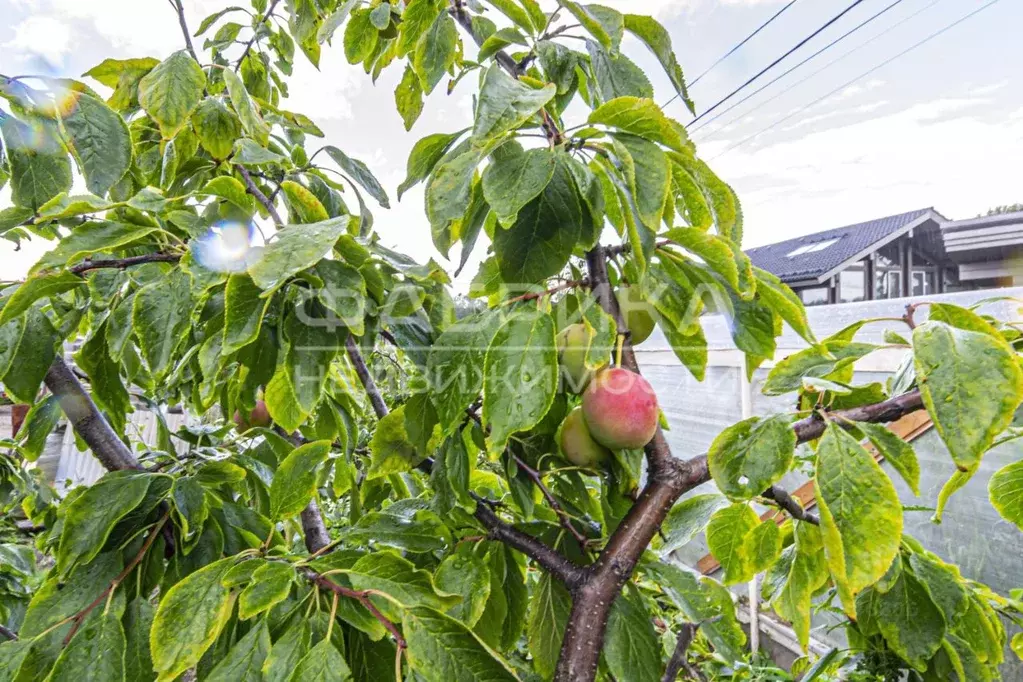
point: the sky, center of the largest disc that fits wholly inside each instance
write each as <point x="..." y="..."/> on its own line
<point x="940" y="126"/>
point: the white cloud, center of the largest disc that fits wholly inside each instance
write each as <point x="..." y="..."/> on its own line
<point x="42" y="36"/>
<point x="920" y="156"/>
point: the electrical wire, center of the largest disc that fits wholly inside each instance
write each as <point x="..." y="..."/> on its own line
<point x="816" y="54"/>
<point x="857" y="78"/>
<point x="770" y="66"/>
<point x="791" y="87"/>
<point x="743" y="42"/>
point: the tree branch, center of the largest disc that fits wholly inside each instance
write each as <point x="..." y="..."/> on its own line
<point x="791" y="505"/>
<point x="122" y="263"/>
<point x="86" y="418"/>
<point x="546" y="557"/>
<point x="679" y="661"/>
<point x="9" y="634"/>
<point x="363" y="597"/>
<point x="890" y="410"/>
<point x="184" y="28"/>
<point x="377" y="400"/>
<point x="252" y="40"/>
<point x="457" y="11"/>
<point x="314" y="529"/>
<point x="254" y="190"/>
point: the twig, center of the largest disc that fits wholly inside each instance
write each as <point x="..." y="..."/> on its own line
<point x="532" y="296"/>
<point x="890" y="410"/>
<point x="361" y="596"/>
<point x="79" y="617"/>
<point x="176" y="4"/>
<point x="678" y="661"/>
<point x="791" y="505"/>
<point x="250" y="185"/>
<point x="122" y="263"/>
<point x="255" y="32"/>
<point x="548" y="558"/>
<point x="563" y="516"/>
<point x="9" y="634"/>
<point x="377" y="400"/>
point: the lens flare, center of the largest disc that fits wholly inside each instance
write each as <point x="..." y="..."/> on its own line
<point x="227" y="246"/>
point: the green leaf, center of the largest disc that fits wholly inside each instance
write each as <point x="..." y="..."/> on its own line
<point x="99" y="140"/>
<point x="943" y="583"/>
<point x="39" y="423"/>
<point x="303" y="206"/>
<point x="687" y="519"/>
<point x="12" y="655"/>
<point x="449" y="189"/>
<point x="13" y="216"/>
<point x="719" y="195"/>
<point x="190" y="503"/>
<point x="897" y="452"/>
<point x="35" y="288"/>
<point x="89" y="519"/>
<point x="323" y="663"/>
<point x="243" y="312"/>
<point x="91" y="237"/>
<point x="441" y="648"/>
<point x="631" y="648"/>
<point x="911" y="623"/>
<point x="391" y="450"/>
<point x="418" y="17"/>
<point x="296" y="248"/>
<point x="248" y="152"/>
<point x="436" y="51"/>
<point x="343" y="293"/>
<point x="499" y="41"/>
<point x="816" y="361"/>
<point x="641" y="117"/>
<point x="512" y="181"/>
<point x="408" y="98"/>
<point x="1006" y="492"/>
<point x="762" y="546"/>
<point x="861" y="515"/>
<point x="248" y="115"/>
<point x="520" y="376"/>
<point x="96" y="652"/>
<point x="360" y="173"/>
<point x="658" y="40"/>
<point x="162" y="314"/>
<point x="724" y="257"/>
<point x="456" y="361"/>
<point x="40" y="169"/>
<point x="361" y="36"/>
<point x="287" y="651"/>
<point x="398" y="578"/>
<point x="749" y="457"/>
<point x="971" y="384"/>
<point x="27" y="348"/>
<point x="216" y="127"/>
<point x="138" y="619"/>
<point x="726" y="536"/>
<point x="57" y="600"/>
<point x="777" y="296"/>
<point x="171" y="91"/>
<point x="244" y="661"/>
<point x="807" y="572"/>
<point x="559" y="64"/>
<point x="648" y="174"/>
<point x="189" y="619"/>
<point x="271" y="584"/>
<point x="547" y="229"/>
<point x="282" y="400"/>
<point x="468" y="576"/>
<point x="514" y="12"/>
<point x="617" y="75"/>
<point x="294" y="483"/>
<point x="505" y="103"/>
<point x="585" y="15"/>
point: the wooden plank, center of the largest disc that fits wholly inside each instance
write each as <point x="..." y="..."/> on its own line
<point x="909" y="428"/>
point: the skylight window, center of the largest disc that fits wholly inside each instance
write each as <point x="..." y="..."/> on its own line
<point x="813" y="248"/>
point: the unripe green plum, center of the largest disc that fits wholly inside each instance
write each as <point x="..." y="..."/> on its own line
<point x="639" y="314"/>
<point x="620" y="408"/>
<point x="573" y="342"/>
<point x="259" y="417"/>
<point x="578" y="445"/>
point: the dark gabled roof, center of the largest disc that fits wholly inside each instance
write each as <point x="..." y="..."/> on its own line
<point x="852" y="240"/>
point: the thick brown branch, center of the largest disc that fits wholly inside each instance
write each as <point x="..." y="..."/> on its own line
<point x="791" y="505"/>
<point x="546" y="557"/>
<point x="314" y="529"/>
<point x="377" y="400"/>
<point x="888" y="411"/>
<point x="122" y="263"/>
<point x="361" y="596"/>
<point x="254" y="190"/>
<point x="86" y="418"/>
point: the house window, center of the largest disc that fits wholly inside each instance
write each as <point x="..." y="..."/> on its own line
<point x="814" y="296"/>
<point x="923" y="282"/>
<point x="813" y="248"/>
<point x="888" y="284"/>
<point x="851" y="285"/>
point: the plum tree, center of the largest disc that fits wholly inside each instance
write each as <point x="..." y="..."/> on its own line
<point x="578" y="445"/>
<point x="620" y="408"/>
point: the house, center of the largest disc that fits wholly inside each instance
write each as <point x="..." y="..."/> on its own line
<point x="891" y="257"/>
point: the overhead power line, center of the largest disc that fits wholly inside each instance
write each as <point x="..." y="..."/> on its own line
<point x="770" y="66"/>
<point x="866" y="73"/>
<point x="774" y="80"/>
<point x="824" y="68"/>
<point x="743" y="42"/>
